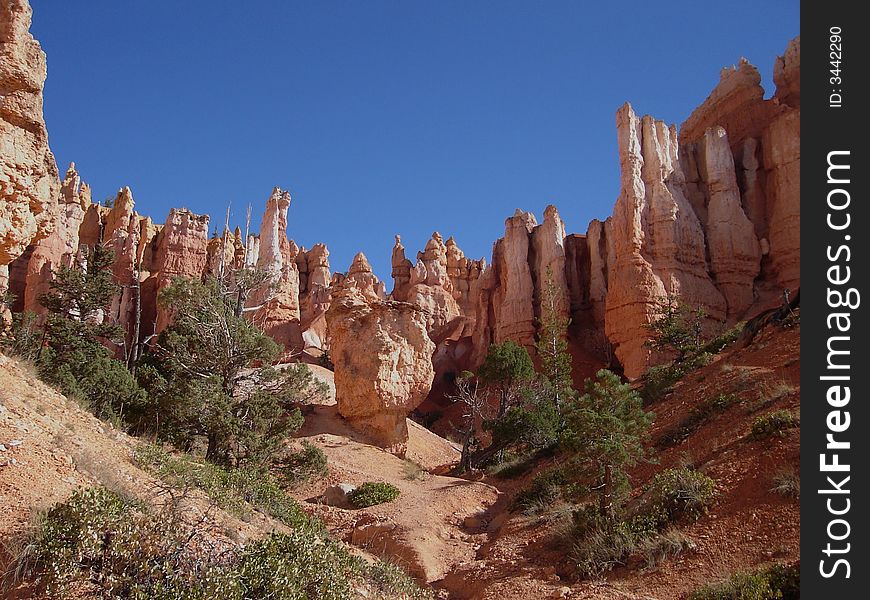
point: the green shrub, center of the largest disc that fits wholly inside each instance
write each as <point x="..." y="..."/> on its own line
<point x="304" y="465"/>
<point x="664" y="546"/>
<point x="724" y="339"/>
<point x="371" y="493"/>
<point x="546" y="488"/>
<point x="513" y="467"/>
<point x="125" y="550"/>
<point x="680" y="494"/>
<point x="601" y="549"/>
<point x="773" y="424"/>
<point x="698" y="416"/>
<point x="234" y="490"/>
<point x="776" y="582"/>
<point x="787" y="483"/>
<point x="659" y="380"/>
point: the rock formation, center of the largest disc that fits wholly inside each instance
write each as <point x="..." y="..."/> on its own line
<point x="401" y="271"/>
<point x="279" y="317"/>
<point x="709" y="213"/>
<point x="515" y="311"/>
<point x="383" y="361"/>
<point x="29" y="181"/>
<point x="60" y="247"/>
<point x="181" y="252"/>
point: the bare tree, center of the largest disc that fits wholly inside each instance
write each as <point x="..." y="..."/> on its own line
<point x="474" y="407"/>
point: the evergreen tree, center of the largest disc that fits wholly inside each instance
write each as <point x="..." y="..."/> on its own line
<point x="506" y="368"/>
<point x="677" y="329"/>
<point x="72" y="356"/>
<point x="552" y="346"/>
<point x="204" y="374"/>
<point x="605" y="431"/>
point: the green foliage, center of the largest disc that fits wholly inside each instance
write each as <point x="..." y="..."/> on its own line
<point x="203" y="378"/>
<point x="787" y="483"/>
<point x="535" y="424"/>
<point x="724" y="339"/>
<point x="304" y="465"/>
<point x="546" y="487"/>
<point x="69" y="351"/>
<point x="663" y="547"/>
<point x="371" y="493"/>
<point x="773" y="424"/>
<point x="507" y="366"/>
<point x="605" y="431"/>
<point x="552" y="345"/>
<point x="234" y="490"/>
<point x="24" y="337"/>
<point x="660" y="379"/>
<point x="605" y="541"/>
<point x="680" y="494"/>
<point x="512" y="467"/>
<point x="128" y="551"/>
<point x="776" y="582"/>
<point x="698" y="416"/>
<point x="506" y="363"/>
<point x="602" y="543"/>
<point x="325" y="361"/>
<point x="676" y="328"/>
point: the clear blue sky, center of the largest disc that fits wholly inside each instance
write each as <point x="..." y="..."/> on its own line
<point x="380" y="117"/>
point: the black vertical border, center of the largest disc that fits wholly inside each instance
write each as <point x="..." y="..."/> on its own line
<point x="826" y="129"/>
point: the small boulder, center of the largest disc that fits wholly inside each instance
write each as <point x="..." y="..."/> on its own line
<point x="338" y="495"/>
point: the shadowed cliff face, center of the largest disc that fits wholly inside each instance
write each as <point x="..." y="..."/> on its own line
<point x="709" y="212"/>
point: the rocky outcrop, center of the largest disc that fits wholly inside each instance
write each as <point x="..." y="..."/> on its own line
<point x="60" y="247"/>
<point x="383" y="362"/>
<point x="549" y="265"/>
<point x="430" y="286"/>
<point x="734" y="249"/>
<point x="279" y="315"/>
<point x="401" y="272"/>
<point x="515" y="314"/>
<point x="180" y="252"/>
<point x="29" y="182"/>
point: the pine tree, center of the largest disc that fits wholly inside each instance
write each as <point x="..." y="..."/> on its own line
<point x="205" y="376"/>
<point x="552" y="345"/>
<point x="606" y="428"/>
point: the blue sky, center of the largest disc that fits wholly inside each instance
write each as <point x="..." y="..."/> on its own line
<point x="380" y="117"/>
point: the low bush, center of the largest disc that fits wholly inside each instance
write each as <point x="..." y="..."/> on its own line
<point x="658" y="381"/>
<point x="304" y="465"/>
<point x="413" y="471"/>
<point x="663" y="547"/>
<point x="787" y="483"/>
<point x="776" y="582"/>
<point x="372" y="493"/>
<point x="680" y="494"/>
<point x="773" y="424"/>
<point x="724" y="339"/>
<point x="124" y="550"/>
<point x="513" y="467"/>
<point x="546" y="488"/>
<point x="234" y="490"/>
<point x="698" y="416"/>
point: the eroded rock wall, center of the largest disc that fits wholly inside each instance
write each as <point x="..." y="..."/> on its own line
<point x="29" y="181"/>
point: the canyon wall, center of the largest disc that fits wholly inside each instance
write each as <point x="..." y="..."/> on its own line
<point x="709" y="212"/>
<point x="29" y="183"/>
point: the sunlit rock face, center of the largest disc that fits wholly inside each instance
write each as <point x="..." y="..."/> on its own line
<point x="383" y="359"/>
<point x="29" y="181"/>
